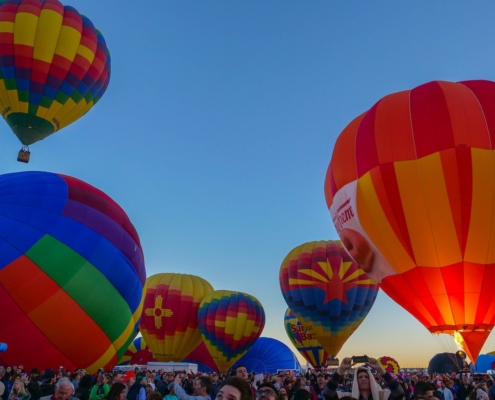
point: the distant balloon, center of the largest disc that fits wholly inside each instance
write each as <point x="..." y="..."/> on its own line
<point x="230" y="323"/>
<point x="269" y="355"/>
<point x="201" y="356"/>
<point x="169" y="323"/>
<point x="445" y="363"/>
<point x="327" y="291"/>
<point x="71" y="273"/>
<point x="54" y="67"/>
<point x="304" y="340"/>
<point x="138" y="353"/>
<point x="389" y="364"/>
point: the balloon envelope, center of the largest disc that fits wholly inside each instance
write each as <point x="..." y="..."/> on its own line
<point x="169" y="323"/>
<point x="71" y="273"/>
<point x="327" y="291"/>
<point x="230" y="323"/>
<point x="389" y="364"/>
<point x="138" y="353"/>
<point x="484" y="363"/>
<point x="54" y="66"/>
<point x="409" y="188"/>
<point x="267" y="356"/>
<point x="201" y="356"/>
<point x="304" y="340"/>
<point x="445" y="363"/>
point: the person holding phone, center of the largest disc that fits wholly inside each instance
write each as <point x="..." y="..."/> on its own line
<point x="364" y="386"/>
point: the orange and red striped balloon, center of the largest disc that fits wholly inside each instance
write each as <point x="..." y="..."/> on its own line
<point x="411" y="190"/>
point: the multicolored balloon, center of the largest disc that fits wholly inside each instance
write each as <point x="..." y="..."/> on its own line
<point x="389" y="364"/>
<point x="54" y="66"/>
<point x="327" y="291"/>
<point x="230" y="322"/>
<point x="202" y="357"/>
<point x="71" y="273"/>
<point x="169" y="323"/>
<point x="409" y="188"/>
<point x="304" y="340"/>
<point x="138" y="353"/>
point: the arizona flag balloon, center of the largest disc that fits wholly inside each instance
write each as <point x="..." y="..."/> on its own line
<point x="169" y="323"/>
<point x="138" y="353"/>
<point x="71" y="273"/>
<point x="304" y="340"/>
<point x="410" y="190"/>
<point x="327" y="291"/>
<point x="54" y="66"/>
<point x="230" y="323"/>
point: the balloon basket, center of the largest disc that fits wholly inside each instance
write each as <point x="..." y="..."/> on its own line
<point x="23" y="156"/>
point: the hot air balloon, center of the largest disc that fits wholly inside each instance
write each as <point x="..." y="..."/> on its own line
<point x="304" y="340"/>
<point x="327" y="291"/>
<point x="410" y="190"/>
<point x="201" y="356"/>
<point x="230" y="323"/>
<point x="54" y="67"/>
<point x="169" y="323"/>
<point x="389" y="364"/>
<point x="71" y="273"/>
<point x="138" y="353"/>
<point x="268" y="355"/>
<point x="445" y="363"/>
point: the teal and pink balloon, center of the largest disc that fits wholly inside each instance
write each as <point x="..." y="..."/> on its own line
<point x="71" y="273"/>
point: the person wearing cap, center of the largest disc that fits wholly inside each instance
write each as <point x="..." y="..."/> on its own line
<point x="33" y="386"/>
<point x="364" y="386"/>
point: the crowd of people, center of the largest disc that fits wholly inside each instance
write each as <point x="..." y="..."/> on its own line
<point x="367" y="382"/>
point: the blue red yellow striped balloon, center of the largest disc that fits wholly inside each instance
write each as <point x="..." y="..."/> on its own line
<point x="54" y="67"/>
<point x="327" y="291"/>
<point x="304" y="340"/>
<point x="71" y="273"/>
<point x="169" y="323"/>
<point x="230" y="323"/>
<point x="138" y="353"/>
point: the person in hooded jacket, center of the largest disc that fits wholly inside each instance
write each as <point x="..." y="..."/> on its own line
<point x="364" y="386"/>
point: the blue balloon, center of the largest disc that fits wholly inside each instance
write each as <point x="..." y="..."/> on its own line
<point x="3" y="347"/>
<point x="268" y="355"/>
<point x="484" y="363"/>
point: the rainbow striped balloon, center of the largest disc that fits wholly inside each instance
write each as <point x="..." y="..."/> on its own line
<point x="71" y="273"/>
<point x="54" y="66"/>
<point x="230" y="323"/>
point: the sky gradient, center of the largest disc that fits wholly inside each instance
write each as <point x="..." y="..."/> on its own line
<point x="219" y="123"/>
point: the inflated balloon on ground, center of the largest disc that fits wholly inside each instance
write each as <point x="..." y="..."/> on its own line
<point x="54" y="67"/>
<point x="327" y="291"/>
<point x="138" y="353"/>
<point x="71" y="273"/>
<point x="410" y="191"/>
<point x="230" y="323"/>
<point x="169" y="323"/>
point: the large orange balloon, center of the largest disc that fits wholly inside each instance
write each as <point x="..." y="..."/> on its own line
<point x="411" y="190"/>
<point x="169" y="323"/>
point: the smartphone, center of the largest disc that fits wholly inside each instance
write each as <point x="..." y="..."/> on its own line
<point x="360" y="359"/>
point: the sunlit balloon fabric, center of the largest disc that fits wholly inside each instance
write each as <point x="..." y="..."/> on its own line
<point x="138" y="353"/>
<point x="71" y="273"/>
<point x="54" y="66"/>
<point x="327" y="291"/>
<point x="230" y="322"/>
<point x="169" y="323"/>
<point x="410" y="187"/>
<point x="304" y="340"/>
<point x="389" y="364"/>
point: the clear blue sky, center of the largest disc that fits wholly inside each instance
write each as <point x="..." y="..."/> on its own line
<point x="220" y="119"/>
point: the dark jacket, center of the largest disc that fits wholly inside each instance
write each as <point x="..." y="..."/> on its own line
<point x="464" y="391"/>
